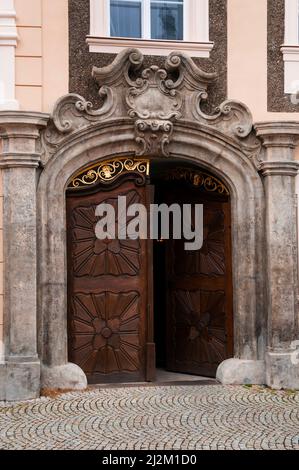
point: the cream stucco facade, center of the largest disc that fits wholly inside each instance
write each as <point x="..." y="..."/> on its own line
<point x="41" y="53"/>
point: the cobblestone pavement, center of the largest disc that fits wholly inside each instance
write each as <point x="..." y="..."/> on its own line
<point x="164" y="417"/>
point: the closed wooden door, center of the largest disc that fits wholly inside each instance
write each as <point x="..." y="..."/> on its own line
<point x="199" y="291"/>
<point x="108" y="293"/>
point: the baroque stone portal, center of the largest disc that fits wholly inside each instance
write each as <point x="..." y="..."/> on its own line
<point x="147" y="113"/>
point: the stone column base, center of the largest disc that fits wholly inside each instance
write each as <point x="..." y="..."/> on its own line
<point x="65" y="377"/>
<point x="241" y="371"/>
<point x="282" y="369"/>
<point x="19" y="381"/>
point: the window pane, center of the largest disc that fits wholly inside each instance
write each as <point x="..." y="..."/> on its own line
<point x="167" y="20"/>
<point x="125" y="18"/>
<point x="169" y="1"/>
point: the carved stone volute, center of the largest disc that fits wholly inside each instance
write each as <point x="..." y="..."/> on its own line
<point x="155" y="99"/>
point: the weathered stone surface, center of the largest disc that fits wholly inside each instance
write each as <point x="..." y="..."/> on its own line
<point x="241" y="371"/>
<point x="67" y="376"/>
<point x="279" y="170"/>
<point x="19" y="380"/>
<point x="19" y="257"/>
<point x="282" y="370"/>
<point x="3" y="381"/>
<point x="23" y="381"/>
<point x="19" y="160"/>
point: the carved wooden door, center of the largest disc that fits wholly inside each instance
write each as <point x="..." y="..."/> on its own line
<point x="199" y="292"/>
<point x="108" y="292"/>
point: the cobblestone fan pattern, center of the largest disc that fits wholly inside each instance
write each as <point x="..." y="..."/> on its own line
<point x="165" y="417"/>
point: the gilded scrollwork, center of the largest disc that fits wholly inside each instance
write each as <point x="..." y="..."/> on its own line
<point x="109" y="171"/>
<point x="199" y="179"/>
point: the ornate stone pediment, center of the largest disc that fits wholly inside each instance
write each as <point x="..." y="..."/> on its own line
<point x="155" y="99"/>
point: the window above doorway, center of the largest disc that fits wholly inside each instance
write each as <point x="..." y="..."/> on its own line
<point x="157" y="27"/>
<point x="147" y="19"/>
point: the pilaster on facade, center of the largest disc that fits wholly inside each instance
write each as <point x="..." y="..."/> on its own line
<point x="19" y="158"/>
<point x="279" y="170"/>
<point x="8" y="43"/>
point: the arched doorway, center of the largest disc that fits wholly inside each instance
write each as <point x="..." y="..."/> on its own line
<point x="156" y="115"/>
<point x="134" y="305"/>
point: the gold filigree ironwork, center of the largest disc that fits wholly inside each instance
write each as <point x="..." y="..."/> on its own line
<point x="108" y="171"/>
<point x="200" y="179"/>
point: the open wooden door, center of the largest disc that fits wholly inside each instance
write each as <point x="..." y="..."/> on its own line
<point x="108" y="291"/>
<point x="199" y="289"/>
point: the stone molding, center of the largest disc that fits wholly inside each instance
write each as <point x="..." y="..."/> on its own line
<point x="278" y="134"/>
<point x="14" y="160"/>
<point x="279" y="141"/>
<point x="279" y="168"/>
<point x="20" y="134"/>
<point x="24" y="118"/>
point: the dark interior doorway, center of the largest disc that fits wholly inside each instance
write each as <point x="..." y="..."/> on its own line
<point x="193" y="324"/>
<point x="160" y="304"/>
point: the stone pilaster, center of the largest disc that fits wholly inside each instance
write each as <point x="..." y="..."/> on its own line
<point x="279" y="170"/>
<point x="19" y="159"/>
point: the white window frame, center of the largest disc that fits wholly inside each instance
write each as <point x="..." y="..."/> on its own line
<point x="290" y="48"/>
<point x="196" y="31"/>
<point x="8" y="43"/>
